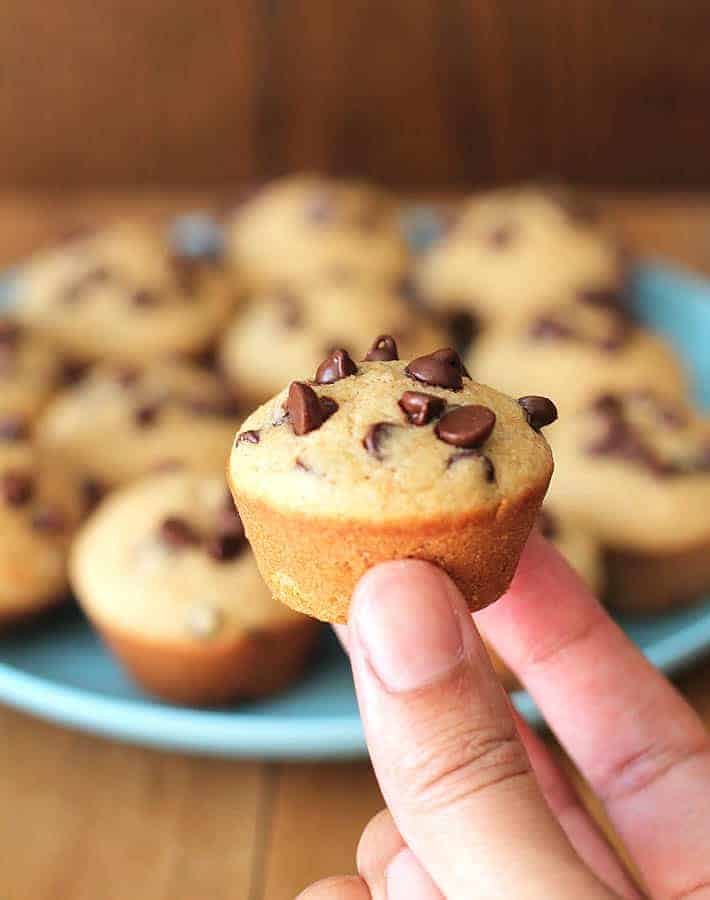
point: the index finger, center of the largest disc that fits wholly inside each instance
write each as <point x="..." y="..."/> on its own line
<point x="642" y="748"/>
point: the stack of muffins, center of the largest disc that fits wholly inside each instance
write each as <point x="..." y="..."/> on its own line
<point x="127" y="366"/>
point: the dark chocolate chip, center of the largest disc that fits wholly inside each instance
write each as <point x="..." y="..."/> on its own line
<point x="289" y="309"/>
<point x="500" y="237"/>
<point x="375" y="437"/>
<point x="464" y="327"/>
<point x="144" y="298"/>
<point x="304" y="409"/>
<point x="548" y="525"/>
<point x="48" y="520"/>
<point x="92" y="492"/>
<point x="13" y="428"/>
<point x="73" y="372"/>
<point x="328" y="406"/>
<point x="248" y="437"/>
<point x="230" y="523"/>
<point x="16" y="488"/>
<point x="607" y="298"/>
<point x="421" y="408"/>
<point x="146" y="415"/>
<point x="176" y="532"/>
<point x="383" y="349"/>
<point x="539" y="411"/>
<point x="442" y="368"/>
<point x="336" y="366"/>
<point x="9" y="333"/>
<point x="225" y="547"/>
<point x="467" y="426"/>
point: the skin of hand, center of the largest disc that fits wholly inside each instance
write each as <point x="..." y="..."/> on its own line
<point x="477" y="809"/>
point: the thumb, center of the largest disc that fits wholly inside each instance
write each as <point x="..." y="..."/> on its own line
<point x="451" y="766"/>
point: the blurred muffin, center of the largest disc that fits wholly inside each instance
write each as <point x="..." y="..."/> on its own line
<point x="284" y="334"/>
<point x="124" y="294"/>
<point x="300" y="227"/>
<point x="576" y="351"/>
<point x="119" y="423"/>
<point x="29" y="371"/>
<point x="510" y="253"/>
<point x="164" y="572"/>
<point x="40" y="509"/>
<point x="634" y="467"/>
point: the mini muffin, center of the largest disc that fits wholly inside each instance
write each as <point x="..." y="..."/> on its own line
<point x="634" y="467"/>
<point x="381" y="460"/>
<point x="299" y="227"/>
<point x="164" y="572"/>
<point x="510" y="253"/>
<point x="29" y="372"/>
<point x="305" y="324"/>
<point x="576" y="351"/>
<point x="40" y="510"/>
<point x="125" y="294"/>
<point x="119" y="423"/>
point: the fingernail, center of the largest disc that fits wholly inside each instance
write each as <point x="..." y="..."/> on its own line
<point x="406" y="879"/>
<point x="406" y="620"/>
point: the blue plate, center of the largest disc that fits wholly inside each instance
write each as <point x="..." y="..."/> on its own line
<point x="60" y="671"/>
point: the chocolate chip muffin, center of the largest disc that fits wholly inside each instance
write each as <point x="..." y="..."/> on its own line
<point x="575" y="351"/>
<point x="634" y="467"/>
<point x="125" y="294"/>
<point x="29" y="371"/>
<point x="382" y="459"/>
<point x="293" y="328"/>
<point x="164" y="572"/>
<point x="510" y="253"/>
<point x="40" y="509"/>
<point x="299" y="227"/>
<point x="120" y="422"/>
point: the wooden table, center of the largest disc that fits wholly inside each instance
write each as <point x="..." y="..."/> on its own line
<point x="85" y="819"/>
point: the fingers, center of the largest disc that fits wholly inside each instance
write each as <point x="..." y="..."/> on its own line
<point x="343" y="887"/>
<point x="391" y="870"/>
<point x="446" y="752"/>
<point x="641" y="747"/>
<point x="567" y="808"/>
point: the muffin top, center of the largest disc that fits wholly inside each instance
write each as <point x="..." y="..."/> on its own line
<point x="126" y="294"/>
<point x="511" y="252"/>
<point x="300" y="227"/>
<point x="167" y="557"/>
<point x="635" y="467"/>
<point x="392" y="441"/>
<point x="306" y="323"/>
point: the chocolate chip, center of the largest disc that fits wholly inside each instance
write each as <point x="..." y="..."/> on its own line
<point x="539" y="411"/>
<point x="464" y="327"/>
<point x="289" y="309"/>
<point x="92" y="492"/>
<point x="229" y="522"/>
<point x="13" y="428"/>
<point x="467" y="426"/>
<point x="176" y="532"/>
<point x="9" y="333"/>
<point x="375" y="437"/>
<point x="48" y="520"/>
<point x="547" y="524"/>
<point x="73" y="372"/>
<point x="442" y="368"/>
<point x="489" y="472"/>
<point x="16" y="488"/>
<point x="225" y="547"/>
<point x="146" y="415"/>
<point x="607" y="298"/>
<point x="127" y="377"/>
<point x="421" y="408"/>
<point x="248" y="437"/>
<point x="500" y="237"/>
<point x="336" y="366"/>
<point x="304" y="409"/>
<point x="144" y="298"/>
<point x="383" y="349"/>
<point x="328" y="406"/>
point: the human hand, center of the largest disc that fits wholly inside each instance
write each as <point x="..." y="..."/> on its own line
<point x="476" y="807"/>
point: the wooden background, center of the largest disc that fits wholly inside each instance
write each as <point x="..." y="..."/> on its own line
<point x="418" y="93"/>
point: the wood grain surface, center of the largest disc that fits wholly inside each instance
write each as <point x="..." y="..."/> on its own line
<point x="414" y="93"/>
<point x="82" y="818"/>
